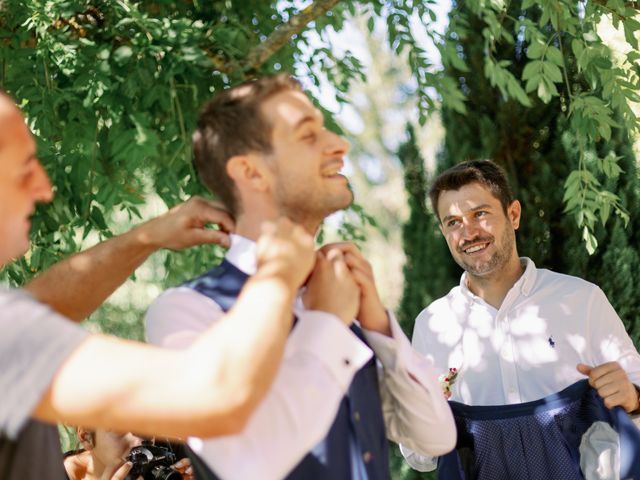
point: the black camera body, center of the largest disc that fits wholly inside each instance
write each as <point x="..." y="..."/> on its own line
<point x="152" y="462"/>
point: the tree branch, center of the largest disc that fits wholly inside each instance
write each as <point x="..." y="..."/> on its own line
<point x="629" y="4"/>
<point x="280" y="36"/>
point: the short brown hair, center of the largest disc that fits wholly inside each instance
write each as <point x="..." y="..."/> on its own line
<point x="230" y="124"/>
<point x="485" y="172"/>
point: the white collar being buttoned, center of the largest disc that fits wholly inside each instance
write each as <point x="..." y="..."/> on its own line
<point x="242" y="254"/>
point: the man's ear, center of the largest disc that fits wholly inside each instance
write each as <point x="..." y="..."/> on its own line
<point x="248" y="171"/>
<point x="513" y="212"/>
<point x="86" y="438"/>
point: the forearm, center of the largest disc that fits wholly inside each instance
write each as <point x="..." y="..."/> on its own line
<point x="78" y="285"/>
<point x="415" y="409"/>
<point x="248" y="343"/>
<point x="208" y="390"/>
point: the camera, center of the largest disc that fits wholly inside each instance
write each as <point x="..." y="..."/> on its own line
<point x="152" y="462"/>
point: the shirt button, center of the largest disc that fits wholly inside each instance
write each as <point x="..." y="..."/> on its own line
<point x="347" y="362"/>
<point x="356" y="416"/>
<point x="367" y="457"/>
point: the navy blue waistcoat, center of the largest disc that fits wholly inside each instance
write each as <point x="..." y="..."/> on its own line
<point x="537" y="440"/>
<point x="359" y="414"/>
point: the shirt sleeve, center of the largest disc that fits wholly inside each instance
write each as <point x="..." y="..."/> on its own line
<point x="608" y="338"/>
<point x="320" y="359"/>
<point x="34" y="343"/>
<point x="415" y="410"/>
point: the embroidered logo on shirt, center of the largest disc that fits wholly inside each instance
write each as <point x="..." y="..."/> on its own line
<point x="551" y="342"/>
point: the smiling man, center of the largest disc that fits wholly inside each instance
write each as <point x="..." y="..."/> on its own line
<point x="513" y="332"/>
<point x="263" y="149"/>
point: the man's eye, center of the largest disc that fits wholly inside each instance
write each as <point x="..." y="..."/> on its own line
<point x="309" y="137"/>
<point x="481" y="213"/>
<point x="452" y="223"/>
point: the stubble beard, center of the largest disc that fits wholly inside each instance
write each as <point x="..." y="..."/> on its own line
<point x="310" y="208"/>
<point x="496" y="263"/>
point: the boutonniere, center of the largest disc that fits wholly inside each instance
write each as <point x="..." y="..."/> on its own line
<point x="447" y="380"/>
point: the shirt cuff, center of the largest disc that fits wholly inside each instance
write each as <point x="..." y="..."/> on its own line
<point x="319" y="333"/>
<point x="391" y="351"/>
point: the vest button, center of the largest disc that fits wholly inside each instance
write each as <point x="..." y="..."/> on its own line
<point x="367" y="457"/>
<point x="356" y="416"/>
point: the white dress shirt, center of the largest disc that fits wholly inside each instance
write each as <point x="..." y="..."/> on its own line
<point x="321" y="357"/>
<point x="528" y="348"/>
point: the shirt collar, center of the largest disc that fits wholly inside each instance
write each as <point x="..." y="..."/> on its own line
<point x="524" y="284"/>
<point x="243" y="254"/>
<point x="528" y="278"/>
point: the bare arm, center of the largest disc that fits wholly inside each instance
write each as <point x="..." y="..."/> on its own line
<point x="78" y="285"/>
<point x="208" y="390"/>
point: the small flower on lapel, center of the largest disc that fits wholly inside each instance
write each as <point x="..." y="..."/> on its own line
<point x="447" y="380"/>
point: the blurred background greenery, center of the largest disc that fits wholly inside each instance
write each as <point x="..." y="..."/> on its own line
<point x="548" y="89"/>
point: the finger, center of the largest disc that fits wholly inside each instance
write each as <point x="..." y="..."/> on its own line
<point x="607" y="388"/>
<point x="362" y="280"/>
<point x="181" y="464"/>
<point x="217" y="237"/>
<point x="340" y="268"/>
<point x="344" y="247"/>
<point x="122" y="472"/>
<point x="604" y="369"/>
<point x="215" y="212"/>
<point x="584" y="369"/>
<point x="359" y="263"/>
<point x="614" y="400"/>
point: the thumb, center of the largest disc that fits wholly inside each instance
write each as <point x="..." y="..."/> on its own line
<point x="584" y="369"/>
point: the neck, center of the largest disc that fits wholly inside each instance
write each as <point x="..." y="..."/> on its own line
<point x="249" y="223"/>
<point x="493" y="287"/>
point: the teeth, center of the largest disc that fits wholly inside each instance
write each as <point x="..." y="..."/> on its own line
<point x="474" y="249"/>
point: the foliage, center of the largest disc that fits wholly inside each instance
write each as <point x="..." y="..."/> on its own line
<point x="420" y="240"/>
<point x="557" y="53"/>
<point x="539" y="148"/>
<point x="112" y="89"/>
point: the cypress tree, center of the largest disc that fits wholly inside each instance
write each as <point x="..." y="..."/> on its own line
<point x="538" y="152"/>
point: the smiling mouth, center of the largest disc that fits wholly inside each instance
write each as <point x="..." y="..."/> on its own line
<point x="478" y="247"/>
<point x="333" y="169"/>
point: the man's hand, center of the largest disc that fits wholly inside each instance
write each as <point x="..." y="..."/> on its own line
<point x="184" y="467"/>
<point x="372" y="314"/>
<point x="332" y="288"/>
<point x="612" y="384"/>
<point x="184" y="226"/>
<point x="286" y="250"/>
<point x="120" y="472"/>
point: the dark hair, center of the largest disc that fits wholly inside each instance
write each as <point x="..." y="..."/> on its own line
<point x="484" y="172"/>
<point x="230" y="124"/>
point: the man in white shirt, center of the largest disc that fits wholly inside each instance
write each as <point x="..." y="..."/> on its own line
<point x="262" y="148"/>
<point x="513" y="332"/>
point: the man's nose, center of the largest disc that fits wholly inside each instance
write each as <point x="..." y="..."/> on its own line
<point x="336" y="145"/>
<point x="470" y="229"/>
<point x="41" y="185"/>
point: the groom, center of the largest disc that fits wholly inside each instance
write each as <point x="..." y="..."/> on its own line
<point x="263" y="150"/>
